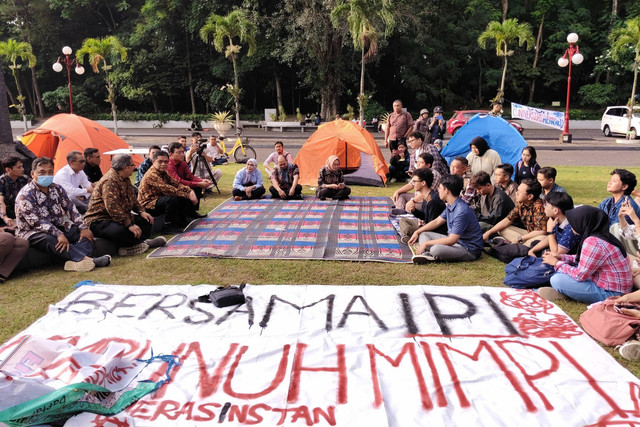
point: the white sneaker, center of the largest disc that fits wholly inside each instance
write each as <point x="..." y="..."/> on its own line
<point x="630" y="350"/>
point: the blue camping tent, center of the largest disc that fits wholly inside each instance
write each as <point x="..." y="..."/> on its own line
<point x="499" y="134"/>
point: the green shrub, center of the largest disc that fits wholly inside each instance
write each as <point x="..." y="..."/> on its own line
<point x="596" y="95"/>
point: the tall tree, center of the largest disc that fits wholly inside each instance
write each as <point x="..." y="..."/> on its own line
<point x="6" y="136"/>
<point x="221" y="29"/>
<point x="14" y="51"/>
<point x="622" y="40"/>
<point x="366" y="20"/>
<point x="99" y="52"/>
<point x="504" y="34"/>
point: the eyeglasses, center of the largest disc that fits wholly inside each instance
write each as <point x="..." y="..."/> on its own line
<point x="415" y="181"/>
<point x="80" y="161"/>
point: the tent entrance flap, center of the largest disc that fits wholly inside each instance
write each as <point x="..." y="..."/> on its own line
<point x="349" y="158"/>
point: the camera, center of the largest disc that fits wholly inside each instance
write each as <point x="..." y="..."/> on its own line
<point x="202" y="144"/>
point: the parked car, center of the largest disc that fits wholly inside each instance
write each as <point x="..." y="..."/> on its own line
<point x="614" y="120"/>
<point x="461" y="117"/>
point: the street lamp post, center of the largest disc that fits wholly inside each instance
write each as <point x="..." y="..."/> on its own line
<point x="571" y="55"/>
<point x="57" y="67"/>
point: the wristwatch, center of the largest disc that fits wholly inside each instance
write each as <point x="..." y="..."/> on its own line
<point x="519" y="239"/>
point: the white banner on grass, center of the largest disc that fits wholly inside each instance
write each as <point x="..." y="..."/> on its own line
<point x="350" y="356"/>
<point x="554" y="119"/>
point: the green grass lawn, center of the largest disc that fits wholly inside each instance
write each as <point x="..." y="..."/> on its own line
<point x="25" y="297"/>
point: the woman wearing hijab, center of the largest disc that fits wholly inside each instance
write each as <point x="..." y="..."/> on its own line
<point x="481" y="157"/>
<point x="331" y="181"/>
<point x="248" y="182"/>
<point x="599" y="270"/>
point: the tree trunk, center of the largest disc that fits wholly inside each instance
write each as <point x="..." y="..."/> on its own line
<point x="6" y="136"/>
<point x="504" y="76"/>
<point x="480" y="80"/>
<point x="36" y="91"/>
<point x="361" y="94"/>
<point x="278" y="89"/>
<point x="614" y="10"/>
<point x="30" y="98"/>
<point x="633" y="94"/>
<point x="505" y="8"/>
<point x="189" y="76"/>
<point x="236" y="97"/>
<point x="532" y="87"/>
<point x="9" y="94"/>
<point x="20" y="99"/>
<point x="112" y="100"/>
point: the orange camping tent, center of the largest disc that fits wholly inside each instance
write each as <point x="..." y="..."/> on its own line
<point x="355" y="147"/>
<point x="64" y="133"/>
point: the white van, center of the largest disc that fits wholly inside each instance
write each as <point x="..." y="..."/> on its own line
<point x="614" y="120"/>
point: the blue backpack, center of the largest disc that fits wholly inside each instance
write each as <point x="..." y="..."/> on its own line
<point x="528" y="272"/>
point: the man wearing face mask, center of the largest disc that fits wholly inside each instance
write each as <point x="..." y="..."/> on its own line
<point x="49" y="220"/>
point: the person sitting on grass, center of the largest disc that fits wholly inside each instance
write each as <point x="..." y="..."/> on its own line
<point x="11" y="182"/>
<point x="92" y="164"/>
<point x="620" y="185"/>
<point x="502" y="179"/>
<point x="405" y="193"/>
<point x="179" y="170"/>
<point x="421" y="144"/>
<point x="425" y="206"/>
<point x="599" y="269"/>
<point x="160" y="194"/>
<point x="560" y="237"/>
<point x="481" y="157"/>
<point x="248" y="185"/>
<point x="284" y="181"/>
<point x="399" y="164"/>
<point x="111" y="211"/>
<point x="460" y="167"/>
<point x="464" y="239"/>
<point x="271" y="162"/>
<point x="49" y="220"/>
<point x="530" y="210"/>
<point x="527" y="167"/>
<point x="331" y="181"/>
<point x="12" y="250"/>
<point x="547" y="179"/>
<point x="72" y="178"/>
<point x="146" y="164"/>
<point x="494" y="205"/>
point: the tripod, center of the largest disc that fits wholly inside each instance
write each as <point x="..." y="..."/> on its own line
<point x="199" y="159"/>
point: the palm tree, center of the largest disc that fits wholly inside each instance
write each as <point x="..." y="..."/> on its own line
<point x="504" y="34"/>
<point x="622" y="40"/>
<point x="235" y="25"/>
<point x="99" y="51"/>
<point x="13" y="50"/>
<point x="365" y="19"/>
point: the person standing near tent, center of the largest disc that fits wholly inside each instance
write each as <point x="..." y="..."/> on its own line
<point x="92" y="164"/>
<point x="421" y="124"/>
<point x="284" y="180"/>
<point x="496" y="108"/>
<point x="271" y="161"/>
<point x="50" y="221"/>
<point x="331" y="181"/>
<point x="74" y="181"/>
<point x="399" y="125"/>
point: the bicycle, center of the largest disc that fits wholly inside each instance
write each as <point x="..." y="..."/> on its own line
<point x="241" y="150"/>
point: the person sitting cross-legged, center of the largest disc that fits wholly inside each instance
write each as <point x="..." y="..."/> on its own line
<point x="560" y="237"/>
<point x="530" y="210"/>
<point x="621" y="185"/>
<point x="494" y="204"/>
<point x="110" y="214"/>
<point x="145" y="165"/>
<point x="425" y="206"/>
<point x="405" y="193"/>
<point x="11" y="182"/>
<point x="599" y="269"/>
<point x="72" y="178"/>
<point x="248" y="182"/>
<point x="160" y="194"/>
<point x="92" y="164"/>
<point x="284" y="181"/>
<point x="502" y="179"/>
<point x="547" y="179"/>
<point x="50" y="221"/>
<point x="464" y="239"/>
<point x="331" y="181"/>
<point x="179" y="170"/>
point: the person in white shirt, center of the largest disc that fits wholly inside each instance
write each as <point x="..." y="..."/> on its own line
<point x="272" y="161"/>
<point x="74" y="181"/>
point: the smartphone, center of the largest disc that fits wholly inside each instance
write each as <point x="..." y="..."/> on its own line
<point x="619" y="307"/>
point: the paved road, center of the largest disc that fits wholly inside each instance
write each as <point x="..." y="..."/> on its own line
<point x="589" y="146"/>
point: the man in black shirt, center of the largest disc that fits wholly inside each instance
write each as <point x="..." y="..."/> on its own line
<point x="92" y="165"/>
